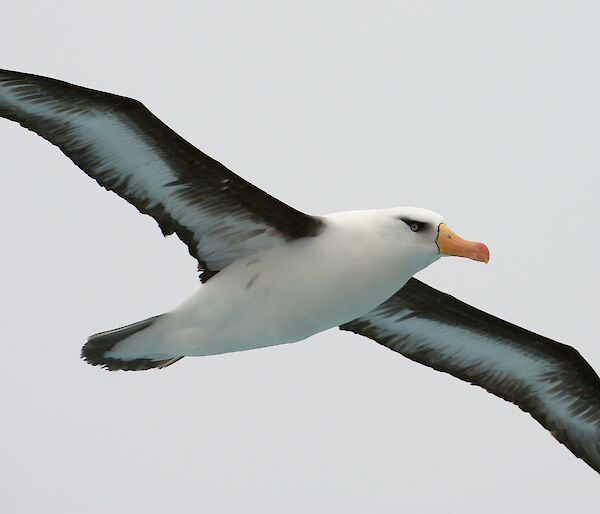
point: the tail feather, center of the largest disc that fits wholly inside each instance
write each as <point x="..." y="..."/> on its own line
<point x="97" y="346"/>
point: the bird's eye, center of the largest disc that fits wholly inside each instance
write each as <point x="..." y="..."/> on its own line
<point x="415" y="226"/>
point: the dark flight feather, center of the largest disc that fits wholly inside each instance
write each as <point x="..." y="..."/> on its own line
<point x="547" y="379"/>
<point x="128" y="150"/>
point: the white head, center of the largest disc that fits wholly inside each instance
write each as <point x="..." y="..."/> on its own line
<point x="415" y="237"/>
<point x="426" y="236"/>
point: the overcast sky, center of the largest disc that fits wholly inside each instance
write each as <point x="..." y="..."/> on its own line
<point x="487" y="112"/>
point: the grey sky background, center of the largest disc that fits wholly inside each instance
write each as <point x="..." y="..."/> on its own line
<point x="487" y="112"/>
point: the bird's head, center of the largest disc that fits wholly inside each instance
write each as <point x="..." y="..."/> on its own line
<point x="426" y="236"/>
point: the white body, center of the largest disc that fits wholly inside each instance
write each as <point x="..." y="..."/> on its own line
<point x="291" y="292"/>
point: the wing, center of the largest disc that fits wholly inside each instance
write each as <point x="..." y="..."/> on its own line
<point x="550" y="380"/>
<point x="128" y="150"/>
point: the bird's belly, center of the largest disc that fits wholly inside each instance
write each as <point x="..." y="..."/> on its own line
<point x="278" y="300"/>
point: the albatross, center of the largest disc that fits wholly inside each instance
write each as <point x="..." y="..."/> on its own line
<point x="271" y="274"/>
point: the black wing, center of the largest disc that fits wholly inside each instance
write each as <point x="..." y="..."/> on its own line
<point x="550" y="380"/>
<point x="128" y="150"/>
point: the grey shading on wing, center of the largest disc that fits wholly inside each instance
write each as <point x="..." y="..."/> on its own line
<point x="550" y="380"/>
<point x="128" y="150"/>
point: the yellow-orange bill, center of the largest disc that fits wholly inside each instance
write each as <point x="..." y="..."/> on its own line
<point x="450" y="243"/>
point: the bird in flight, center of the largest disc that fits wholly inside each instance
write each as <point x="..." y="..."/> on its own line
<point x="273" y="275"/>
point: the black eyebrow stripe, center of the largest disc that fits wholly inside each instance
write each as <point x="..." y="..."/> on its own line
<point x="408" y="221"/>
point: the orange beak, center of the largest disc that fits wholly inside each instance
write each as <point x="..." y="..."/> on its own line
<point x="450" y="243"/>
